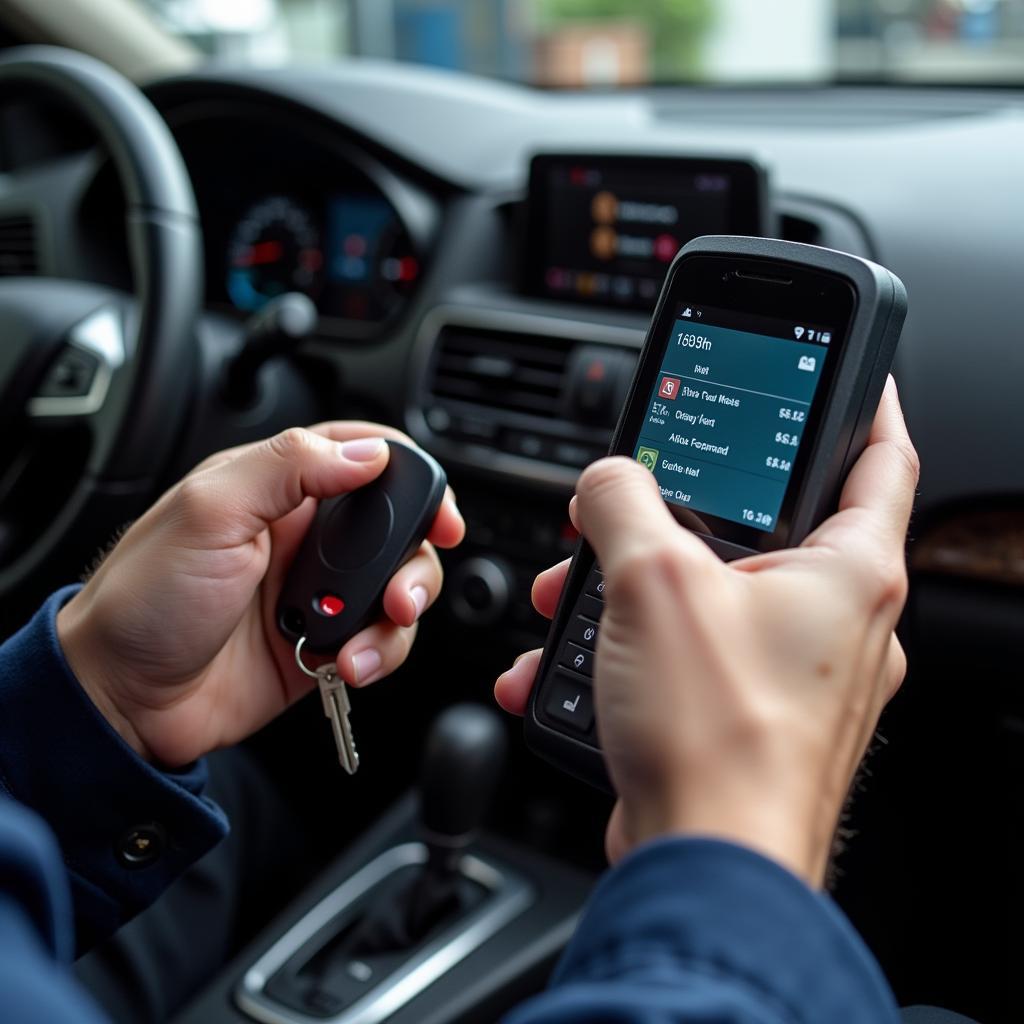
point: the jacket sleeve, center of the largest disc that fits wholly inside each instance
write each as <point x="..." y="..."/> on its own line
<point x="125" y="829"/>
<point x="704" y="932"/>
<point x="36" y="987"/>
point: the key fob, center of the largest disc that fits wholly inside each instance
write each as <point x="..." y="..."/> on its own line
<point x="354" y="546"/>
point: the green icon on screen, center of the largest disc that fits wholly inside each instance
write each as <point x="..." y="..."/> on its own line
<point x="648" y="458"/>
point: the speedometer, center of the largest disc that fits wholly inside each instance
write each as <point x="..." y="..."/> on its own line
<point x="275" y="248"/>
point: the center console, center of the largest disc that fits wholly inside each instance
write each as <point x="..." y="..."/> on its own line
<point x="515" y="386"/>
<point x="425" y="919"/>
<point x="515" y="383"/>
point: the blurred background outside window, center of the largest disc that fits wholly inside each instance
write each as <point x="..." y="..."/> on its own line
<point x="610" y="43"/>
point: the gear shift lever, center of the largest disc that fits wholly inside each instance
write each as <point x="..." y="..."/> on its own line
<point x="422" y="909"/>
<point x="462" y="762"/>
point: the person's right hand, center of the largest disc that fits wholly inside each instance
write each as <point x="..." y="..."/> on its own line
<point x="736" y="700"/>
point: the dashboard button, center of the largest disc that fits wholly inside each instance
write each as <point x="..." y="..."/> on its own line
<point x="438" y="419"/>
<point x="570" y="701"/>
<point x="591" y="607"/>
<point x="530" y="446"/>
<point x="474" y="429"/>
<point x="577" y="454"/>
<point x="479" y="591"/>
<point x="70" y="375"/>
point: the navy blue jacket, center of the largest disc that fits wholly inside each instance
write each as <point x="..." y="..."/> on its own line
<point x="683" y="930"/>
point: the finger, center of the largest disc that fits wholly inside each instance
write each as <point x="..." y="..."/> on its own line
<point x="616" y="836"/>
<point x="622" y="514"/>
<point x="574" y="517"/>
<point x="231" y="503"/>
<point x="414" y="588"/>
<point x="512" y="688"/>
<point x="225" y="455"/>
<point x="449" y="528"/>
<point x="881" y="486"/>
<point x="895" y="668"/>
<point x="349" y="430"/>
<point x="337" y="430"/>
<point x="547" y="588"/>
<point x="375" y="652"/>
<point x="286" y="536"/>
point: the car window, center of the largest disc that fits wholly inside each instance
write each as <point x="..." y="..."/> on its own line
<point x="623" y="43"/>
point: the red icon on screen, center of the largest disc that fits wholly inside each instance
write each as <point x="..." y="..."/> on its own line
<point x="669" y="388"/>
<point x="665" y="248"/>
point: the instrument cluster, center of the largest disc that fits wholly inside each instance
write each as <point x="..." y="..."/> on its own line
<point x="352" y="256"/>
<point x="295" y="210"/>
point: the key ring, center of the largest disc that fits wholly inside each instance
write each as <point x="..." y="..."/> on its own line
<point x="298" y="659"/>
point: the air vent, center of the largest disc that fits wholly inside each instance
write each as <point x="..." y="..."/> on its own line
<point x="799" y="229"/>
<point x="18" y="255"/>
<point x="500" y="370"/>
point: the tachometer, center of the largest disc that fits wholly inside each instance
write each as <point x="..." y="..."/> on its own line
<point x="275" y="248"/>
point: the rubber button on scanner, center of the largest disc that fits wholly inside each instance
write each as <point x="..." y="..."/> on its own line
<point x="579" y="659"/>
<point x="357" y="529"/>
<point x="595" y="584"/>
<point x="583" y="632"/>
<point x="571" y="701"/>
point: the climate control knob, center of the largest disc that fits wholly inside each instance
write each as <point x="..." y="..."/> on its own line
<point x="479" y="591"/>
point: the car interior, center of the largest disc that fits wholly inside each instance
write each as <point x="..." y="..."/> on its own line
<point x="433" y="183"/>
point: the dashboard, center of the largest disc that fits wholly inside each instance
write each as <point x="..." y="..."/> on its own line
<point x="869" y="171"/>
<point x="482" y="257"/>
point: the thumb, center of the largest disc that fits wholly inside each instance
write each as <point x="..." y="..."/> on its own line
<point x="232" y="502"/>
<point x="623" y="516"/>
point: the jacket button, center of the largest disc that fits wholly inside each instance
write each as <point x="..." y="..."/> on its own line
<point x="141" y="845"/>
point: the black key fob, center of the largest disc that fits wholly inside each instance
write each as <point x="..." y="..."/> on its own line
<point x="354" y="546"/>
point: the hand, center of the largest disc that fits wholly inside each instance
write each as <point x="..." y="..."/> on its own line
<point x="174" y="637"/>
<point x="736" y="700"/>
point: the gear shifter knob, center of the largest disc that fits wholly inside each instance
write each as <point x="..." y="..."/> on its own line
<point x="462" y="762"/>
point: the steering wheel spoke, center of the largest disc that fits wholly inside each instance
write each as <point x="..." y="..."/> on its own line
<point x="94" y="383"/>
<point x="77" y="382"/>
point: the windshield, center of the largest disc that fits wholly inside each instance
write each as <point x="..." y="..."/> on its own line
<point x="626" y="43"/>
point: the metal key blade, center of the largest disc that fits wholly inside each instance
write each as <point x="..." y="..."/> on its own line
<point x="337" y="709"/>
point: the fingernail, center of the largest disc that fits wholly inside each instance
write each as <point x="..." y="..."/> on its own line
<point x="365" y="663"/>
<point x="365" y="449"/>
<point x="419" y="597"/>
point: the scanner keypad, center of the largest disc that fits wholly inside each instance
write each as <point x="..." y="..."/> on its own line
<point x="569" y="692"/>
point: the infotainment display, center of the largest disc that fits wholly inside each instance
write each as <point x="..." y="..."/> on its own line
<point x="603" y="229"/>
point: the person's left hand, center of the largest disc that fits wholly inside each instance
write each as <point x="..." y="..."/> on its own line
<point x="174" y="637"/>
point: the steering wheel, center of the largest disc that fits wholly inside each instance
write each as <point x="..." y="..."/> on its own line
<point x="94" y="383"/>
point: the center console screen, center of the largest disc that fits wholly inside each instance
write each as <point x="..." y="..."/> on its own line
<point x="603" y="229"/>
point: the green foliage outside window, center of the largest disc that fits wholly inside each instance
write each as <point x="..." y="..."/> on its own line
<point x="677" y="27"/>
